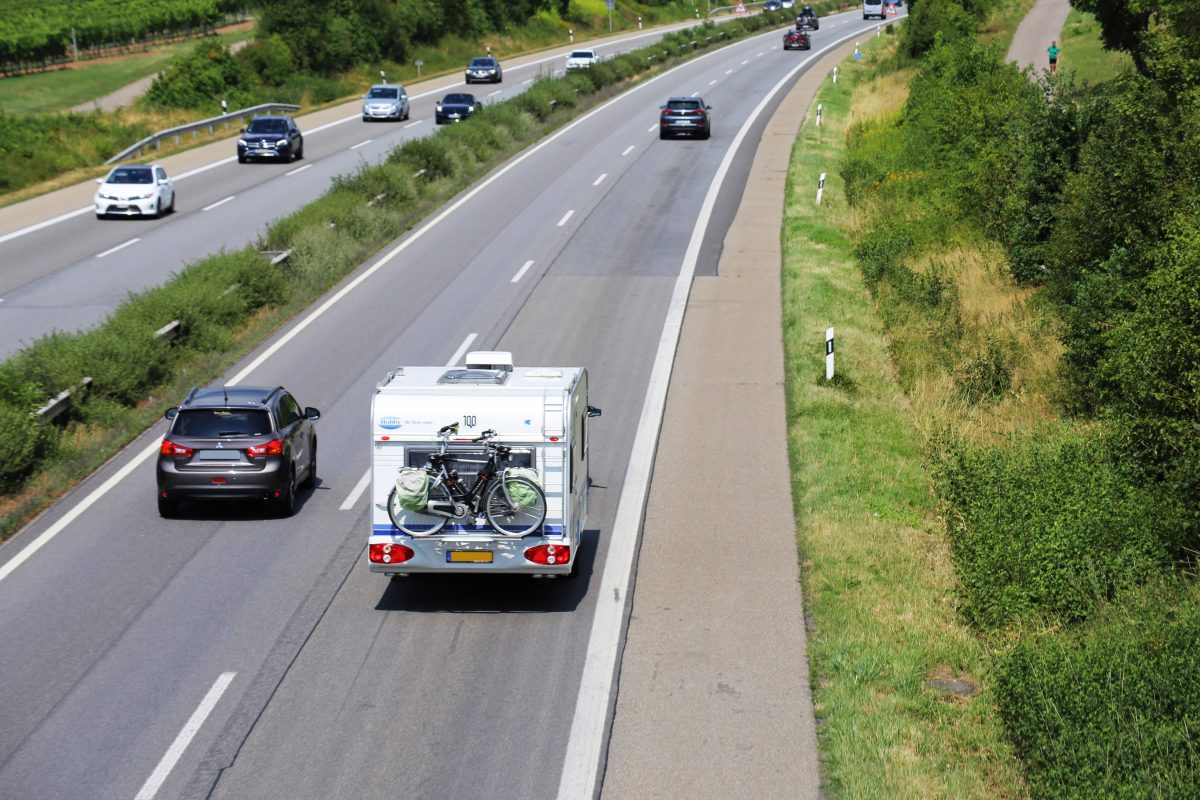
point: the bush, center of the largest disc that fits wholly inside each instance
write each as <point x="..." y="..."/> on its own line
<point x="1111" y="711"/>
<point x="1053" y="526"/>
<point x="881" y="252"/>
<point x="270" y="59"/>
<point x="202" y="79"/>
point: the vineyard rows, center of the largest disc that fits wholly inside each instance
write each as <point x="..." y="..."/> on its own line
<point x="40" y="30"/>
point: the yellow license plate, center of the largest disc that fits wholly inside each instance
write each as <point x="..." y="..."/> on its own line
<point x="472" y="556"/>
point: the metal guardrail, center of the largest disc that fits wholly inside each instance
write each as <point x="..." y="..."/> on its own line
<point x="210" y="123"/>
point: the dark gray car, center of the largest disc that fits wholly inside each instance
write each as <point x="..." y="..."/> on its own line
<point x="237" y="442"/>
<point x="456" y="107"/>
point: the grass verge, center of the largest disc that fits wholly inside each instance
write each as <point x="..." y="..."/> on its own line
<point x="1083" y="53"/>
<point x="879" y="582"/>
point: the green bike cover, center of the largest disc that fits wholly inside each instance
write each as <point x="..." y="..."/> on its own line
<point x="520" y="493"/>
<point x="412" y="489"/>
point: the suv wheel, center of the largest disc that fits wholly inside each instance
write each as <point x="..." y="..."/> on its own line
<point x="285" y="505"/>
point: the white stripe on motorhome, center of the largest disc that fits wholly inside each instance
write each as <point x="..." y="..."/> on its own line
<point x="361" y="144"/>
<point x="190" y="728"/>
<point x="521" y="272"/>
<point x="121" y="246"/>
<point x="356" y="492"/>
<point x="298" y="169"/>
<point x="566" y="217"/>
<point x="600" y="180"/>
<point x="462" y="350"/>
<point x="222" y="202"/>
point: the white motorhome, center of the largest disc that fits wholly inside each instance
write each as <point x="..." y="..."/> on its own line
<point x="536" y="417"/>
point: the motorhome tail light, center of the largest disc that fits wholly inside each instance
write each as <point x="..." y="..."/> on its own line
<point x="388" y="553"/>
<point x="271" y="448"/>
<point x="549" y="554"/>
<point x="169" y="448"/>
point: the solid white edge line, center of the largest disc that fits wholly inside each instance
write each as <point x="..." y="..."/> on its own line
<point x="566" y="217"/>
<point x="629" y="149"/>
<point x="356" y="492"/>
<point x="361" y="144"/>
<point x="581" y="762"/>
<point x="462" y="350"/>
<point x="600" y="180"/>
<point x="220" y="202"/>
<point x="155" y="781"/>
<point x="297" y="169"/>
<point x="71" y="515"/>
<point x="296" y="330"/>
<point x="45" y="223"/>
<point x="521" y="272"/>
<point x="121" y="246"/>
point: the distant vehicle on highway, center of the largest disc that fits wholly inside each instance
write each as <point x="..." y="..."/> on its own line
<point x="484" y="69"/>
<point x="686" y="115"/>
<point x="228" y="442"/>
<point x="787" y="3"/>
<point x="456" y="107"/>
<point x="873" y="8"/>
<point x="582" y="59"/>
<point x="385" y="101"/>
<point x="796" y="40"/>
<point x="807" y="19"/>
<point x="772" y="5"/>
<point x="271" y="137"/>
<point x="135" y="190"/>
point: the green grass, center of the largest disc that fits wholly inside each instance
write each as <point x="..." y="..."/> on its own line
<point x="1084" y="55"/>
<point x="64" y="89"/>
<point x="879" y="582"/>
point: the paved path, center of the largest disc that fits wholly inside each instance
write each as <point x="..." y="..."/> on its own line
<point x="715" y="667"/>
<point x="1041" y="25"/>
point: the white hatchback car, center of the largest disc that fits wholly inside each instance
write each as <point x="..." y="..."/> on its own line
<point x="135" y="190"/>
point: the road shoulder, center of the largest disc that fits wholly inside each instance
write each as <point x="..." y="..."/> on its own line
<point x="714" y="698"/>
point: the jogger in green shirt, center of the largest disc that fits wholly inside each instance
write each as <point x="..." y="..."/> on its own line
<point x="1052" y="50"/>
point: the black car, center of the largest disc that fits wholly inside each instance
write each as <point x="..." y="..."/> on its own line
<point x="229" y="442"/>
<point x="455" y="107"/>
<point x="484" y="69"/>
<point x="688" y="115"/>
<point x="276" y="138"/>
<point x="796" y="40"/>
<point x="807" y="19"/>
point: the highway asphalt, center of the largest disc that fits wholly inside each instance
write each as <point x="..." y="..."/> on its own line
<point x="299" y="673"/>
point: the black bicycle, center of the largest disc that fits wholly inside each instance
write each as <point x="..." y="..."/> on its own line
<point x="513" y="504"/>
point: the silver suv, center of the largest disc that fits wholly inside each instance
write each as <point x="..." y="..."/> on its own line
<point x="385" y="101"/>
<point x="237" y="442"/>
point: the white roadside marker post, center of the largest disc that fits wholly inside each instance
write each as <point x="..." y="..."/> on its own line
<point x="818" y="115"/>
<point x="820" y="188"/>
<point x="829" y="354"/>
<point x="835" y="74"/>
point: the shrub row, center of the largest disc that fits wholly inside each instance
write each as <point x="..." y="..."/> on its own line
<point x="328" y="238"/>
<point x="1111" y="710"/>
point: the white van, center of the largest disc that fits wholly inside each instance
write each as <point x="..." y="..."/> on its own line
<point x="485" y="418"/>
<point x="871" y="8"/>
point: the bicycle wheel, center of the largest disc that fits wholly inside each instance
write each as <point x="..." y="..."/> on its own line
<point x="416" y="523"/>
<point x="511" y="519"/>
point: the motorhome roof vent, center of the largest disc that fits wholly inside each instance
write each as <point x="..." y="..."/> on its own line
<point x="480" y="376"/>
<point x="490" y="359"/>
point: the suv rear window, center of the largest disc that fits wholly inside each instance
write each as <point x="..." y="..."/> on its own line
<point x="683" y="105"/>
<point x="213" y="422"/>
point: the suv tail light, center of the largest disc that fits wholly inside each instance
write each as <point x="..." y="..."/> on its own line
<point x="549" y="554"/>
<point x="388" y="553"/>
<point x="169" y="448"/>
<point x="271" y="448"/>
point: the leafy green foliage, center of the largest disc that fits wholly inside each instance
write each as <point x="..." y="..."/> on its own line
<point x="202" y="79"/>
<point x="933" y="22"/>
<point x="33" y="30"/>
<point x="36" y="147"/>
<point x="1112" y="710"/>
<point x="1053" y="526"/>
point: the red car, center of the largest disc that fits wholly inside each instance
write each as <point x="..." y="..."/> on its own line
<point x="796" y="40"/>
